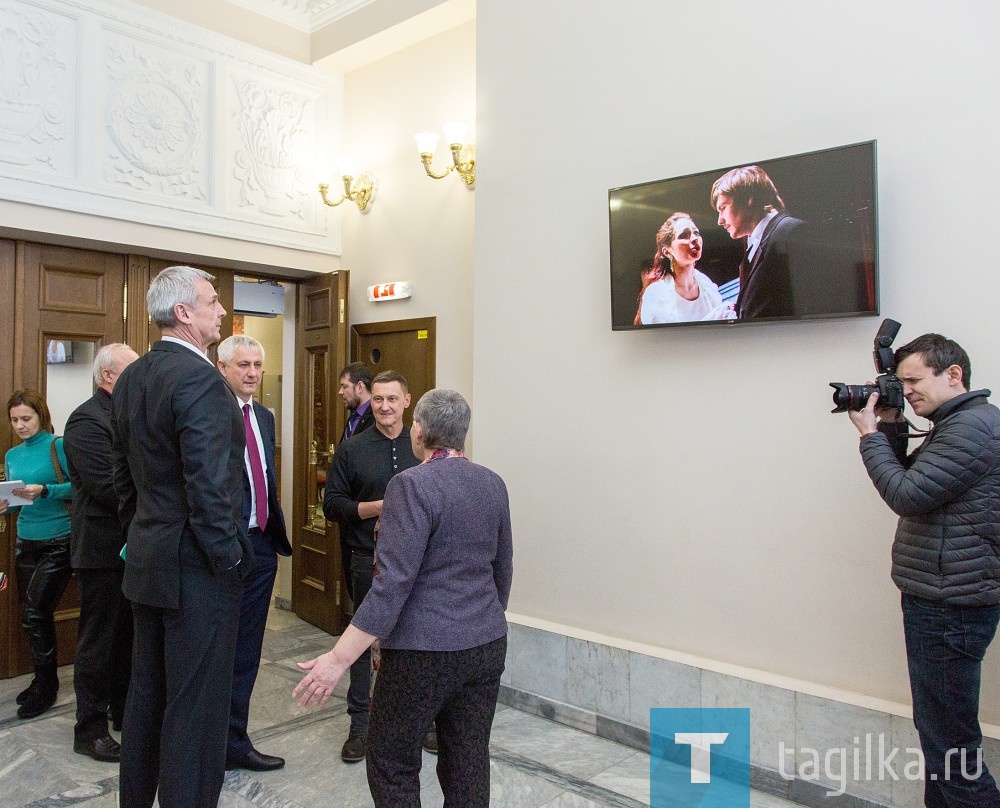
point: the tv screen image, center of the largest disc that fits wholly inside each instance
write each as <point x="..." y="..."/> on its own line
<point x="59" y="352"/>
<point x="784" y="239"/>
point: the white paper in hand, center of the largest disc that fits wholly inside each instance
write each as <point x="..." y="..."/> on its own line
<point x="5" y="493"/>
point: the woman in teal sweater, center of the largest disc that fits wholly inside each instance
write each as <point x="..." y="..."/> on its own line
<point x="42" y="551"/>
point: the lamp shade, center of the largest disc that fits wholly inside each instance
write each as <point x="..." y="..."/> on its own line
<point x="426" y="142"/>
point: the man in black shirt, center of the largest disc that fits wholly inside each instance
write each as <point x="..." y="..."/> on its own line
<point x="355" y="484"/>
<point x="356" y="390"/>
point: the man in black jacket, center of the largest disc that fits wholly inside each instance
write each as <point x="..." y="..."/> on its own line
<point x="355" y="485"/>
<point x="178" y="456"/>
<point x="944" y="557"/>
<point x="356" y="390"/>
<point x="104" y="640"/>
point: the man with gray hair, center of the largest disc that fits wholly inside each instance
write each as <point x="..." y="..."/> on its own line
<point x="241" y="363"/>
<point x="103" y="660"/>
<point x="178" y="457"/>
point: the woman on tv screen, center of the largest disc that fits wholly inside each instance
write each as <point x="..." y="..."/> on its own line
<point x="673" y="291"/>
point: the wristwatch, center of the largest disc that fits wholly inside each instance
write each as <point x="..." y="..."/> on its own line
<point x="45" y="492"/>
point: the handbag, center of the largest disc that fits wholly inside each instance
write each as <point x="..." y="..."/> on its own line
<point x="60" y="477"/>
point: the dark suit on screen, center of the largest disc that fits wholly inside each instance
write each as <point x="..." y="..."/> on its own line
<point x="103" y="664"/>
<point x="257" y="588"/>
<point x="766" y="288"/>
<point x="178" y="456"/>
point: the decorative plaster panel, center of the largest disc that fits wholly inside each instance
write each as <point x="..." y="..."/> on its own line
<point x="157" y="108"/>
<point x="271" y="174"/>
<point x="38" y="56"/>
<point x="179" y="127"/>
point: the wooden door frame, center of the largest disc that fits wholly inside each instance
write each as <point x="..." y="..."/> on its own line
<point x="388" y="326"/>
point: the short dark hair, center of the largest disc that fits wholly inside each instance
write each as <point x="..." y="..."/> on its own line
<point x="387" y="376"/>
<point x="745" y="184"/>
<point x="35" y="400"/>
<point x="444" y="417"/>
<point x="358" y="372"/>
<point x="939" y="354"/>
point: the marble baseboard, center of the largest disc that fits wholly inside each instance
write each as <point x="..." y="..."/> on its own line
<point x="769" y="781"/>
<point x="609" y="692"/>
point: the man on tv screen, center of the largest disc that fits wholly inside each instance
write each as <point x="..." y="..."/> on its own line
<point x="749" y="207"/>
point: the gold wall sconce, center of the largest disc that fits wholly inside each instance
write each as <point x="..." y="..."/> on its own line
<point x="359" y="186"/>
<point x="463" y="155"/>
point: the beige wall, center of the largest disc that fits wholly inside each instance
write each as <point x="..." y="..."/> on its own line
<point x="417" y="229"/>
<point x="689" y="488"/>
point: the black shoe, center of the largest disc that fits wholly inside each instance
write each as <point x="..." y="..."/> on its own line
<point x="29" y="691"/>
<point x="354" y="749"/>
<point x="106" y="749"/>
<point x="254" y="761"/>
<point x="430" y="742"/>
<point x="37" y="703"/>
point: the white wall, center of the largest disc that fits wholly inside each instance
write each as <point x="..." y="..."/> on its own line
<point x="417" y="229"/>
<point x="68" y="386"/>
<point x="689" y="488"/>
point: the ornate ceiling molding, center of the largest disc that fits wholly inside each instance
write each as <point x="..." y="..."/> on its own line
<point x="303" y="15"/>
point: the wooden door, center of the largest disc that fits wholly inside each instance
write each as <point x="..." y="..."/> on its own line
<point x="77" y="297"/>
<point x="10" y="627"/>
<point x="319" y="594"/>
<point x="406" y="346"/>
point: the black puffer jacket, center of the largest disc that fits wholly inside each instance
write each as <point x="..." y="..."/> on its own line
<point x="947" y="495"/>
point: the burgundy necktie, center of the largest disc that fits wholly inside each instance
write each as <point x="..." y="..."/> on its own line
<point x="256" y="470"/>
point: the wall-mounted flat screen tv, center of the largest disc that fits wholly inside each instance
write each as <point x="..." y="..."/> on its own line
<point x="58" y="352"/>
<point x="774" y="240"/>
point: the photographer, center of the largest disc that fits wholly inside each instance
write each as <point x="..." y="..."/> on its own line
<point x="944" y="556"/>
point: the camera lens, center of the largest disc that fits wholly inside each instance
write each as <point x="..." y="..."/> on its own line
<point x="850" y="396"/>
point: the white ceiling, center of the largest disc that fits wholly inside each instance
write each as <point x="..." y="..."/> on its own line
<point x="304" y="15"/>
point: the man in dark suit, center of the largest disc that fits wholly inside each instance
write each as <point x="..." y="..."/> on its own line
<point x="356" y="390"/>
<point x="178" y="459"/>
<point x="103" y="660"/>
<point x="241" y="362"/>
<point x="749" y="207"/>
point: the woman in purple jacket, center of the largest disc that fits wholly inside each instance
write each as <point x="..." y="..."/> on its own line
<point x="443" y="573"/>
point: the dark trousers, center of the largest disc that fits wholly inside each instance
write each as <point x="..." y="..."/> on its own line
<point x="257" y="588"/>
<point x="361" y="670"/>
<point x="43" y="571"/>
<point x="177" y="712"/>
<point x="945" y="646"/>
<point x="103" y="662"/>
<point x="459" y="690"/>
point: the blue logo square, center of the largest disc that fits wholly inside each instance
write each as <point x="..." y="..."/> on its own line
<point x="699" y="758"/>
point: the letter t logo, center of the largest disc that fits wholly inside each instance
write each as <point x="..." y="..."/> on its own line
<point x="701" y="744"/>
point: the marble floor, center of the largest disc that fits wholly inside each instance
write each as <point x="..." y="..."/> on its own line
<point x="535" y="762"/>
